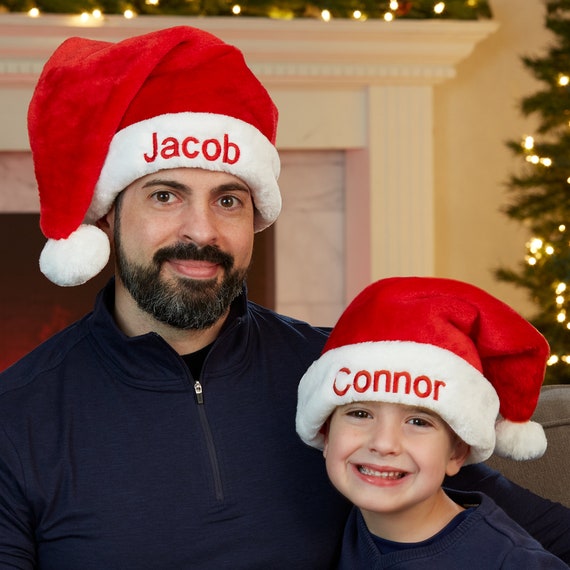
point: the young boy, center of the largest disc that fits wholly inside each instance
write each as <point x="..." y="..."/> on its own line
<point x="408" y="389"/>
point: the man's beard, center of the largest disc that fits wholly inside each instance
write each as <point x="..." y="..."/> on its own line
<point x="187" y="304"/>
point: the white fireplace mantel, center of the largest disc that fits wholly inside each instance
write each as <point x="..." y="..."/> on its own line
<point x="363" y="87"/>
<point x="283" y="52"/>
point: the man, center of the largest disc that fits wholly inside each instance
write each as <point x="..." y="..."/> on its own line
<point x="158" y="432"/>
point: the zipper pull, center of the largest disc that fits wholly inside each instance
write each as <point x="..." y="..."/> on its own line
<point x="198" y="391"/>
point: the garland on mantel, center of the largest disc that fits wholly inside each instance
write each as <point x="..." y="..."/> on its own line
<point x="282" y="9"/>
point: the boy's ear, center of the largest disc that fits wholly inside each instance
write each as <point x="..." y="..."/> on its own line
<point x="458" y="456"/>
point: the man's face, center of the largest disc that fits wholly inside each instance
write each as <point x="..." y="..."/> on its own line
<point x="183" y="243"/>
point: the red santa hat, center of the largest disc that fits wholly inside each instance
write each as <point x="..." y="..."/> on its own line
<point x="105" y="114"/>
<point x="438" y="344"/>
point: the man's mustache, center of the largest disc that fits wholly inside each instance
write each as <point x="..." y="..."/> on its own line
<point x="187" y="251"/>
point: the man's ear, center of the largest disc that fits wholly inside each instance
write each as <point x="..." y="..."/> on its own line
<point x="106" y="223"/>
<point x="325" y="431"/>
<point x="459" y="454"/>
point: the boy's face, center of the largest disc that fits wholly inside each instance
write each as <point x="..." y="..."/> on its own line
<point x="390" y="458"/>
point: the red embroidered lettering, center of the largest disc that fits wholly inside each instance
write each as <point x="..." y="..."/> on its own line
<point x="230" y="146"/>
<point x="438" y="384"/>
<point x="390" y="382"/>
<point x="341" y="391"/>
<point x="217" y="149"/>
<point x="396" y="383"/>
<point x="152" y="157"/>
<point x="170" y="148"/>
<point x="367" y="379"/>
<point x="191" y="147"/>
<point x="186" y="143"/>
<point x="387" y="382"/>
<point x="417" y="388"/>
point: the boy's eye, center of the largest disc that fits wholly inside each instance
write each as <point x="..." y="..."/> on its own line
<point x="420" y="422"/>
<point x="359" y="414"/>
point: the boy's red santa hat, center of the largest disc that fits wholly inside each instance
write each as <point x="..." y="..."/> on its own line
<point x="438" y="344"/>
<point x="100" y="108"/>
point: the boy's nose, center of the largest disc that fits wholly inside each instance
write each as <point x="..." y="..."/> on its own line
<point x="385" y="439"/>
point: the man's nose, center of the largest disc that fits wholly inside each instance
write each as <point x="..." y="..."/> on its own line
<point x="198" y="225"/>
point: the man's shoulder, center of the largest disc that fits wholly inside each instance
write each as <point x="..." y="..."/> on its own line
<point x="45" y="358"/>
<point x="286" y="323"/>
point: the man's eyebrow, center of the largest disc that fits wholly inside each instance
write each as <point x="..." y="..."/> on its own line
<point x="165" y="182"/>
<point x="231" y="187"/>
<point x="227" y="187"/>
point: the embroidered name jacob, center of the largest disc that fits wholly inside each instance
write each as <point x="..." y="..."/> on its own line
<point x="191" y="147"/>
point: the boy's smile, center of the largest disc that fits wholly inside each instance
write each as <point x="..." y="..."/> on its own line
<point x="383" y="474"/>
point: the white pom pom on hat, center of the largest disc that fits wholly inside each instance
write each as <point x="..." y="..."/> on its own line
<point x="65" y="261"/>
<point x="520" y="440"/>
<point x="435" y="343"/>
<point x="181" y="92"/>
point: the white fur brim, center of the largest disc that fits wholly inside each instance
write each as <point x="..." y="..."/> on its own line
<point x="437" y="379"/>
<point x="258" y="164"/>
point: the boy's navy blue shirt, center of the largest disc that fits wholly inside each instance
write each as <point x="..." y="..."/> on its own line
<point x="486" y="538"/>
<point x="108" y="460"/>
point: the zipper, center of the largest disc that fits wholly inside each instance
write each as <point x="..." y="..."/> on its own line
<point x="210" y="445"/>
<point x="199" y="392"/>
<point x="209" y="438"/>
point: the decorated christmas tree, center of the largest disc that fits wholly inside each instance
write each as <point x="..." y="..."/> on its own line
<point x="539" y="195"/>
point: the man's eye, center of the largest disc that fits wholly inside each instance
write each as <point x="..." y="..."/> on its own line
<point x="228" y="201"/>
<point x="163" y="196"/>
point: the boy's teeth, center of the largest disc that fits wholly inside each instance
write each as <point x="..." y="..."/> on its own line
<point x="382" y="474"/>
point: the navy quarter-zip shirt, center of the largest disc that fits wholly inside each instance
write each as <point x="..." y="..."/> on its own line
<point x="110" y="459"/>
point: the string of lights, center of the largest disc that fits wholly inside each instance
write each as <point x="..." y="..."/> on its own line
<point x="326" y="10"/>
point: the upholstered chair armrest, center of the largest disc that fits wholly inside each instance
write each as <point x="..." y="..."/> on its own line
<point x="548" y="476"/>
